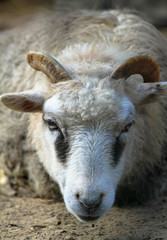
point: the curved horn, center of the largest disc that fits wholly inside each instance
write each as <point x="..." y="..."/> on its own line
<point x="48" y="65"/>
<point x="143" y="65"/>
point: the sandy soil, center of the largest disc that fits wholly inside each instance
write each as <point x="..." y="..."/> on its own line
<point x="26" y="218"/>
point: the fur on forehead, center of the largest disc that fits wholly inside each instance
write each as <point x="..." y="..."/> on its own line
<point x="87" y="51"/>
<point x="84" y="101"/>
<point x="92" y="59"/>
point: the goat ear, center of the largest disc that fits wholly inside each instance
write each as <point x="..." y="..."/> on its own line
<point x="147" y="92"/>
<point x="27" y="101"/>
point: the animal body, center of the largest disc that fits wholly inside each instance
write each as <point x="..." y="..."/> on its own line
<point x="96" y="107"/>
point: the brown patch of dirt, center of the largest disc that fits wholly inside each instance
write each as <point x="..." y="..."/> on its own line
<point x="27" y="218"/>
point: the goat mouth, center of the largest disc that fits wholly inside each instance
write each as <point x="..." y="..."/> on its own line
<point x="88" y="218"/>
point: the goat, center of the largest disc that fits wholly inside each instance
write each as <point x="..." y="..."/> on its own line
<point x="98" y="114"/>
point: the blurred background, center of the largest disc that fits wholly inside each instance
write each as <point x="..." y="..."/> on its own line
<point x="14" y="12"/>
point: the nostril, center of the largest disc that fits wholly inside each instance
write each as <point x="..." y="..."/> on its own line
<point x="102" y="195"/>
<point x="77" y="196"/>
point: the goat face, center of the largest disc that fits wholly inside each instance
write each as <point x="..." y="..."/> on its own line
<point x="84" y="140"/>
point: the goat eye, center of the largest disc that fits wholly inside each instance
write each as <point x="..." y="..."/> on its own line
<point x="126" y="128"/>
<point x="52" y="125"/>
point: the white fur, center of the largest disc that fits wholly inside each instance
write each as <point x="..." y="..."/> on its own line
<point x="89" y="168"/>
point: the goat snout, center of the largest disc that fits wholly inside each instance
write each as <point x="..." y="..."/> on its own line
<point x="89" y="205"/>
<point x="90" y="202"/>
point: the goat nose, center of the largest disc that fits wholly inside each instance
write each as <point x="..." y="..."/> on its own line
<point x="91" y="202"/>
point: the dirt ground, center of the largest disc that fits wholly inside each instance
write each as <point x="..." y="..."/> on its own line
<point x="27" y="218"/>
